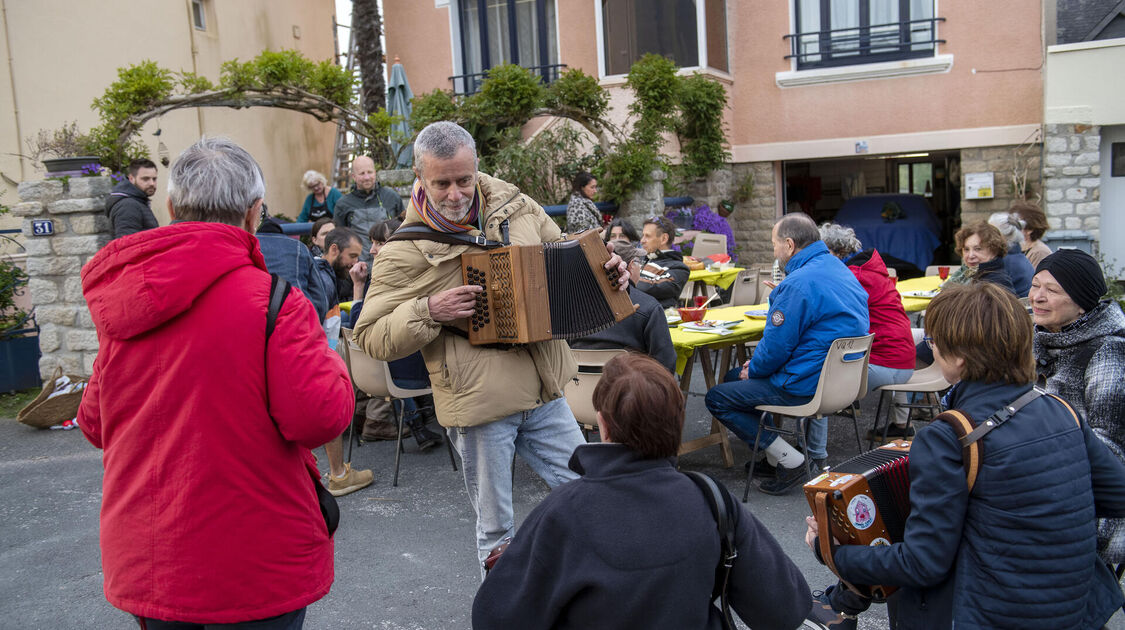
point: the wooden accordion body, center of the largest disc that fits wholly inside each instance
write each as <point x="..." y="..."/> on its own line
<point x="538" y="292"/>
<point x="863" y="501"/>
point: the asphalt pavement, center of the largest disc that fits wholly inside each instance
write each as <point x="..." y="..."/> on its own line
<point x="405" y="556"/>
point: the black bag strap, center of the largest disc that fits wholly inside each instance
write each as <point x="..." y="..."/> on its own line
<point x="422" y="232"/>
<point x="722" y="509"/>
<point x="1001" y="415"/>
<point x="279" y="290"/>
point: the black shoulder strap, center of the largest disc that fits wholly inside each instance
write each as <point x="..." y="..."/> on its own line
<point x="1001" y="415"/>
<point x="279" y="290"/>
<point x="423" y="232"/>
<point x="722" y="509"/>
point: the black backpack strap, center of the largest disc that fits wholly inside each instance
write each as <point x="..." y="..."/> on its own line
<point x="723" y="510"/>
<point x="423" y="232"/>
<point x="279" y="290"/>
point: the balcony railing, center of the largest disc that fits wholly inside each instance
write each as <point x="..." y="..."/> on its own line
<point x="468" y="84"/>
<point x="864" y="44"/>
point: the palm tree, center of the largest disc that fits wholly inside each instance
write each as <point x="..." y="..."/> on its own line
<point x="367" y="27"/>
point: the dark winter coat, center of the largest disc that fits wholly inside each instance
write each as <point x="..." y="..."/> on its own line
<point x="992" y="271"/>
<point x="361" y="211"/>
<point x="1020" y="550"/>
<point x="664" y="276"/>
<point x="1019" y="269"/>
<point x="129" y="210"/>
<point x="1085" y="364"/>
<point x="644" y="331"/>
<point x="632" y="544"/>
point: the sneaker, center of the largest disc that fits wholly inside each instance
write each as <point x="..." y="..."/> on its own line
<point x="784" y="481"/>
<point x="351" y="481"/>
<point x="823" y="617"/>
<point x="763" y="469"/>
<point x="894" y="432"/>
<point x="380" y="431"/>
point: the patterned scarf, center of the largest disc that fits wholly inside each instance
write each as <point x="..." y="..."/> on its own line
<point x="435" y="219"/>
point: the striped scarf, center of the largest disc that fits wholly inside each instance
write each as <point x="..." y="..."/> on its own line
<point x="435" y="219"/>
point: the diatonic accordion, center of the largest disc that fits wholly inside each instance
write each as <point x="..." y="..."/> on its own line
<point x="864" y="501"/>
<point x="534" y="293"/>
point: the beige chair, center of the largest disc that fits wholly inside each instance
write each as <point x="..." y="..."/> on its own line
<point x="764" y="289"/>
<point x="744" y="291"/>
<point x="927" y="381"/>
<point x="843" y="382"/>
<point x="580" y="391"/>
<point x="707" y="244"/>
<point x="892" y="272"/>
<point x="373" y="377"/>
<point x="935" y="270"/>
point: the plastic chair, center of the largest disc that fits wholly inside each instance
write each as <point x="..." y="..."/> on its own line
<point x="927" y="381"/>
<point x="892" y="272"/>
<point x="373" y="377"/>
<point x="764" y="289"/>
<point x="842" y="383"/>
<point x="935" y="270"/>
<point x="707" y="244"/>
<point x="580" y="391"/>
<point x="744" y="291"/>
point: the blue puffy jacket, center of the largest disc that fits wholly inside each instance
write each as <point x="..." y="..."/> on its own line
<point x="1020" y="550"/>
<point x="818" y="302"/>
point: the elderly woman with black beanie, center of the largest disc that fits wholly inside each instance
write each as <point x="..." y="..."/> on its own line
<point x="1080" y="352"/>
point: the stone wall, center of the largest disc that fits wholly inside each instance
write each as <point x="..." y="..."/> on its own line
<point x="1072" y="178"/>
<point x="754" y="217"/>
<point x="54" y="263"/>
<point x="645" y="203"/>
<point x="1000" y="161"/>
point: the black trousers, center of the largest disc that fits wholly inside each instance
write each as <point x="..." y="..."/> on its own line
<point x="288" y="621"/>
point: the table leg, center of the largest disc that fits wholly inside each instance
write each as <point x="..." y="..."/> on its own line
<point x="718" y="433"/>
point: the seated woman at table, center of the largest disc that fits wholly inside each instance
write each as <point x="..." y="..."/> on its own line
<point x="620" y="229"/>
<point x="1017" y="551"/>
<point x="1034" y="227"/>
<point x="892" y="352"/>
<point x="632" y="543"/>
<point x="1080" y="353"/>
<point x="982" y="250"/>
<point x="1016" y="264"/>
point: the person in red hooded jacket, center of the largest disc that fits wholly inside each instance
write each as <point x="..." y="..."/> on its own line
<point x="892" y="353"/>
<point x="209" y="505"/>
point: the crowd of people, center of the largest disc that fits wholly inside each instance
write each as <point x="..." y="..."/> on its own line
<point x="624" y="540"/>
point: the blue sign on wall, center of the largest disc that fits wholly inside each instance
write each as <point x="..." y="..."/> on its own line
<point x="44" y="227"/>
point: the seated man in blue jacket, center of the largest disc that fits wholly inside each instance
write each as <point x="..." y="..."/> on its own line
<point x="819" y="301"/>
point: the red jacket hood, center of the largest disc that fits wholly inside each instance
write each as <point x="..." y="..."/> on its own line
<point x="138" y="282"/>
<point x="875" y="264"/>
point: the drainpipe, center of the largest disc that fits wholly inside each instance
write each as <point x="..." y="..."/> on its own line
<point x="12" y="81"/>
<point x="194" y="64"/>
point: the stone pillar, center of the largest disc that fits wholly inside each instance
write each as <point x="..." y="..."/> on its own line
<point x="712" y="189"/>
<point x="646" y="202"/>
<point x="753" y="218"/>
<point x="1072" y="178"/>
<point x="54" y="263"/>
<point x="401" y="180"/>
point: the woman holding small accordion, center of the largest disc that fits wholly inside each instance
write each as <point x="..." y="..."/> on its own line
<point x="1018" y="549"/>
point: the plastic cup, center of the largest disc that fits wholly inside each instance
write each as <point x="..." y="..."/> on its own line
<point x="943" y="272"/>
<point x="699" y="300"/>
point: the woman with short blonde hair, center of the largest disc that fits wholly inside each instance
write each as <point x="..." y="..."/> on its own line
<point x="321" y="200"/>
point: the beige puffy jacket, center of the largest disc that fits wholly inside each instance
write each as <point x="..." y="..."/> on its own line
<point x="472" y="385"/>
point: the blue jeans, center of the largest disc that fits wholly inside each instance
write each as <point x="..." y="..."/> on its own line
<point x="878" y="376"/>
<point x="732" y="402"/>
<point x="545" y="437"/>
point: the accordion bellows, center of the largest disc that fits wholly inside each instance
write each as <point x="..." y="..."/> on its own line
<point x="534" y="293"/>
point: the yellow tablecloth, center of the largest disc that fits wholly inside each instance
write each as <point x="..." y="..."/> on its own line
<point x="686" y="342"/>
<point x="722" y="279"/>
<point x="925" y="283"/>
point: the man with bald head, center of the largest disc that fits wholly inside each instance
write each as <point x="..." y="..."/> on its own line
<point x="819" y="301"/>
<point x="367" y="204"/>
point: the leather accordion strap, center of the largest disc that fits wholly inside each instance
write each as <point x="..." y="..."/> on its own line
<point x="971" y="454"/>
<point x="422" y="232"/>
<point x="1073" y="414"/>
<point x="824" y="541"/>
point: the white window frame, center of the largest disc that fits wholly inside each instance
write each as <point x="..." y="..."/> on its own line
<point x="701" y="42"/>
<point x="202" y="15"/>
<point x="938" y="63"/>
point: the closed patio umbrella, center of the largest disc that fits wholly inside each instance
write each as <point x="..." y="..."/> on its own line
<point x="398" y="104"/>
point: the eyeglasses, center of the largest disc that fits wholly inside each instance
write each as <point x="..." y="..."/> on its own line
<point x="929" y="342"/>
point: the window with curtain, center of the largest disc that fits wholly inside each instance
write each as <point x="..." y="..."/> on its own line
<point x="846" y="32"/>
<point x="496" y="32"/>
<point x="633" y="28"/>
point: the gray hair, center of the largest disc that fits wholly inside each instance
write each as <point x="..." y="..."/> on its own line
<point x="442" y="140"/>
<point x="216" y="181"/>
<point x="313" y="177"/>
<point x="1010" y="226"/>
<point x="800" y="227"/>
<point x="840" y="239"/>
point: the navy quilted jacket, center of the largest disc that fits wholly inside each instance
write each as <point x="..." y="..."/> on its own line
<point x="1020" y="551"/>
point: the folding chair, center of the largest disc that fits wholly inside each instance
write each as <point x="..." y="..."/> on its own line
<point x="707" y="244"/>
<point x="927" y="381"/>
<point x="580" y="391"/>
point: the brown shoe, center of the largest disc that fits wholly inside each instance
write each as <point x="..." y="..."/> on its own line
<point x="351" y="481"/>
<point x="379" y="431"/>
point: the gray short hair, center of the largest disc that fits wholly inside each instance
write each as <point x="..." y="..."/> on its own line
<point x="800" y="227"/>
<point x="840" y="239"/>
<point x="216" y="181"/>
<point x="1010" y="226"/>
<point x="442" y="140"/>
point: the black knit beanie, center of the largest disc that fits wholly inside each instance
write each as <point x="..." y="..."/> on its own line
<point x="1078" y="274"/>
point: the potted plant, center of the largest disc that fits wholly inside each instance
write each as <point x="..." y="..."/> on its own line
<point x="19" y="346"/>
<point x="64" y="151"/>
